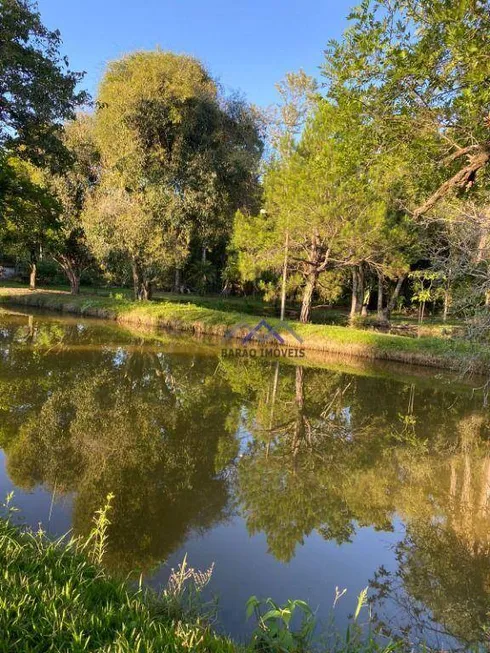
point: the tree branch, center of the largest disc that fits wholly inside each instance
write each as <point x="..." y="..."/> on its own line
<point x="462" y="179"/>
<point x="461" y="151"/>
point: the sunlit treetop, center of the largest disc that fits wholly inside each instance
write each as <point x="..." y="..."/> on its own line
<point x="418" y="71"/>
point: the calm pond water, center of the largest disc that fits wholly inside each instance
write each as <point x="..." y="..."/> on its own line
<point x="293" y="480"/>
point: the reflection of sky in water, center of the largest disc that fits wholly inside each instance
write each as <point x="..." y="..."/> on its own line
<point x="244" y="567"/>
<point x="120" y="357"/>
<point x="245" y="438"/>
<point x="37" y="507"/>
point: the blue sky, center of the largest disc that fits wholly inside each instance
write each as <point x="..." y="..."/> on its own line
<point x="247" y="44"/>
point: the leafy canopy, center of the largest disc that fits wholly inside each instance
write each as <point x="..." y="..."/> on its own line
<point x="37" y="88"/>
<point x="417" y="71"/>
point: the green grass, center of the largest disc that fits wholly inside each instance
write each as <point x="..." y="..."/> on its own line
<point x="181" y="314"/>
<point x="54" y="598"/>
<point x="252" y="305"/>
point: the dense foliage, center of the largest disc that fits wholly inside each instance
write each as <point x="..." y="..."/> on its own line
<point x="370" y="192"/>
<point x="373" y="189"/>
<point x="177" y="161"/>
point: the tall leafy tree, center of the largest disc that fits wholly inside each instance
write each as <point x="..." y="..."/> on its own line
<point x="37" y="93"/>
<point x="30" y="215"/>
<point x="72" y="189"/>
<point x="333" y="206"/>
<point x="37" y="88"/>
<point x="297" y="91"/>
<point x="177" y="161"/>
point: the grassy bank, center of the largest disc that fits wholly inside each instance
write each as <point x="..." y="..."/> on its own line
<point x="56" y="596"/>
<point x="434" y="351"/>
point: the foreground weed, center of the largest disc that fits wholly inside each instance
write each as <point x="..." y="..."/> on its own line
<point x="275" y="632"/>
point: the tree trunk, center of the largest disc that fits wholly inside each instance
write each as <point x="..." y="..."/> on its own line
<point x="360" y="287"/>
<point x="143" y="290"/>
<point x="177" y="281"/>
<point x="226" y="289"/>
<point x="446" y="305"/>
<point x="32" y="275"/>
<point x="364" y="292"/>
<point x="136" y="279"/>
<point x="353" y="304"/>
<point x="358" y="295"/>
<point x="284" y="277"/>
<point x="142" y="287"/>
<point x="146" y="290"/>
<point x="392" y="302"/>
<point x="73" y="274"/>
<point x="311" y="281"/>
<point x="447" y="295"/>
<point x="365" y="302"/>
<point x="380" y="297"/>
<point x="74" y="283"/>
<point x="317" y="263"/>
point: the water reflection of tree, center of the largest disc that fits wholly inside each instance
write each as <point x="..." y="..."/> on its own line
<point x="278" y="481"/>
<point x="140" y="425"/>
<point x="440" y="590"/>
<point x="348" y="457"/>
<point x="442" y="580"/>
